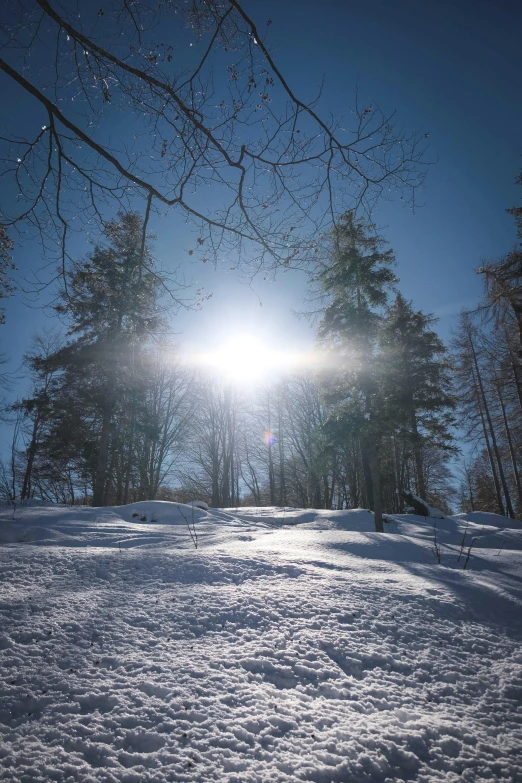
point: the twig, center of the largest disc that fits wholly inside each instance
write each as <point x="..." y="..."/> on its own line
<point x="470" y="547"/>
<point x="462" y="543"/>
<point x="191" y="526"/>
<point x="436" y="546"/>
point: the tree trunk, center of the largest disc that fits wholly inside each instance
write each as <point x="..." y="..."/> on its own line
<point x="375" y="469"/>
<point x="505" y="488"/>
<point x="282" y="479"/>
<point x="491" y="461"/>
<point x="100" y="478"/>
<point x="367" y="473"/>
<point x="354" y="482"/>
<point x="517" y="309"/>
<point x="215" y="473"/>
<point x="31" y="454"/>
<point x="271" y="477"/>
<point x="516" y="372"/>
<point x="128" y="466"/>
<point x="417" y="454"/>
<point x="316" y="496"/>
<point x="399" y="473"/>
<point x="484" y="411"/>
<point x="510" y="444"/>
<point x="470" y="489"/>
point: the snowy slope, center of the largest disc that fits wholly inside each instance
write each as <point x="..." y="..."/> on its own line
<point x="290" y="646"/>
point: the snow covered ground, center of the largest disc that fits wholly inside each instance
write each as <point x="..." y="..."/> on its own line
<point x="290" y="646"/>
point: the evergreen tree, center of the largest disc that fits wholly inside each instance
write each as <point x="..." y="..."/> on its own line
<point x="416" y="379"/>
<point x="110" y="302"/>
<point x="355" y="279"/>
<point x="36" y="408"/>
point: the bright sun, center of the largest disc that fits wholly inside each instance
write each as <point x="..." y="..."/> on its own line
<point x="245" y="360"/>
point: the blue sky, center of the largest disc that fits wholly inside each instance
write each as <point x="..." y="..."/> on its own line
<point x="452" y="69"/>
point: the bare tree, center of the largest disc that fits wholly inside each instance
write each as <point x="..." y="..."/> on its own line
<point x="212" y="454"/>
<point x="503" y="281"/>
<point x="310" y="477"/>
<point x="168" y="409"/>
<point x="477" y="408"/>
<point x="6" y="267"/>
<point x="211" y="112"/>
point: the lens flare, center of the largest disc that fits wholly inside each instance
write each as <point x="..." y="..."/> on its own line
<point x="269" y="438"/>
<point x="245" y="360"/>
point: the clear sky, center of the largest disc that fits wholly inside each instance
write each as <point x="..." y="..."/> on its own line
<point x="453" y="69"/>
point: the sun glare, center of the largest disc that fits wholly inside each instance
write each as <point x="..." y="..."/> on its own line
<point x="245" y="360"/>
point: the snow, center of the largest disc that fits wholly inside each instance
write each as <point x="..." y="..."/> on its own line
<point x="436" y="513"/>
<point x="199" y="504"/>
<point x="291" y="645"/>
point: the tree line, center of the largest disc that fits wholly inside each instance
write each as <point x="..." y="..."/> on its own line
<point x="488" y="353"/>
<point x="113" y="416"/>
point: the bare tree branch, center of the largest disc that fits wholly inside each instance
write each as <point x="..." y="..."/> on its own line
<point x="213" y="129"/>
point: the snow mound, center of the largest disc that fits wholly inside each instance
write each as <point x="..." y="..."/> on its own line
<point x="162" y="512"/>
<point x="432" y="512"/>
<point x="348" y="519"/>
<point x="199" y="504"/>
<point x="491" y="520"/>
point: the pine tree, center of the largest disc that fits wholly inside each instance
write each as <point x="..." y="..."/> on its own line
<point x="417" y="382"/>
<point x="110" y="302"/>
<point x="36" y="407"/>
<point x="355" y="279"/>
